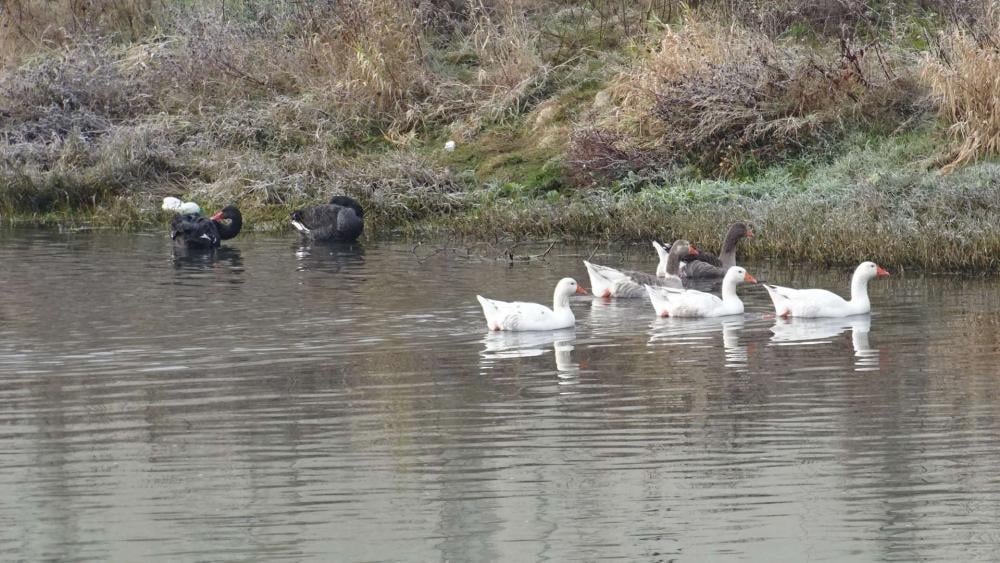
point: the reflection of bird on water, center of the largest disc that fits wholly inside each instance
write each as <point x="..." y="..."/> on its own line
<point x="330" y="257"/>
<point x="685" y="332"/>
<point x="190" y="258"/>
<point x="610" y="317"/>
<point x="500" y="345"/>
<point x="805" y="330"/>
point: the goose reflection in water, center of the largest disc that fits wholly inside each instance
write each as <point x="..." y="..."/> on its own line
<point x="822" y="330"/>
<point x="200" y="259"/>
<point x="503" y="345"/>
<point x="332" y="257"/>
<point x="673" y="331"/>
<point x="615" y="317"/>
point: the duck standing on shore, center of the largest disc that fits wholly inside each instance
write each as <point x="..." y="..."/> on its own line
<point x="341" y="220"/>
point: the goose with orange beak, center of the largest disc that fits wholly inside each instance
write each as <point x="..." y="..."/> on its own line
<point x="609" y="282"/>
<point x="790" y="302"/>
<point x="703" y="266"/>
<point x="520" y="316"/>
<point x="670" y="302"/>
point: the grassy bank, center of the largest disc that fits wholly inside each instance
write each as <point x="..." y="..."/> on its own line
<point x="842" y="130"/>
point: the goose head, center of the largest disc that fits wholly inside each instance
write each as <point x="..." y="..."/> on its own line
<point x="683" y="249"/>
<point x="738" y="275"/>
<point x="230" y="221"/>
<point x="739" y="230"/>
<point x="869" y="271"/>
<point x="566" y="288"/>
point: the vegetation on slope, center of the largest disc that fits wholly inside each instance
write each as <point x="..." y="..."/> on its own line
<point x="841" y="128"/>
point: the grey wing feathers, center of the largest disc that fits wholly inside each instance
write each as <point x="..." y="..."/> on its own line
<point x="698" y="269"/>
<point x="706" y="257"/>
<point x="332" y="222"/>
<point x="642" y="278"/>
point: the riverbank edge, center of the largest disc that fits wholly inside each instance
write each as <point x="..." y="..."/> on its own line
<point x="941" y="225"/>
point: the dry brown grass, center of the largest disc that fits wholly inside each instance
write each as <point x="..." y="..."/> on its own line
<point x="962" y="77"/>
<point x="719" y="95"/>
<point x="33" y="25"/>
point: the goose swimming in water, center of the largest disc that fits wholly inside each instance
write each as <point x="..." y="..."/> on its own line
<point x="790" y="302"/>
<point x="198" y="231"/>
<point x="670" y="302"/>
<point x="341" y="220"/>
<point x="609" y="282"/>
<point x="706" y="267"/>
<point x="518" y="316"/>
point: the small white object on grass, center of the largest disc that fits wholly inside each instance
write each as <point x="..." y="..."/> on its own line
<point x="178" y="206"/>
<point x="449" y="146"/>
<point x="171" y="204"/>
<point x="188" y="208"/>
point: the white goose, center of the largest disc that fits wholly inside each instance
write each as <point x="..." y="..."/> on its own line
<point x="180" y="207"/>
<point x="609" y="282"/>
<point x="823" y="303"/>
<point x="670" y="302"/>
<point x="517" y="315"/>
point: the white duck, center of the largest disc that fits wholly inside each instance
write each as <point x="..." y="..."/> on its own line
<point x="670" y="302"/>
<point x="180" y="207"/>
<point x="517" y="315"/>
<point x="609" y="282"/>
<point x="822" y="303"/>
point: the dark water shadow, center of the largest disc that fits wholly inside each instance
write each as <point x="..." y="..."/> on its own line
<point x="331" y="257"/>
<point x="201" y="259"/>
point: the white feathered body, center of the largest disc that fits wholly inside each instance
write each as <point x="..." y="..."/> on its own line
<point x="609" y="282"/>
<point x="814" y="303"/>
<point x="518" y="315"/>
<point x="669" y="302"/>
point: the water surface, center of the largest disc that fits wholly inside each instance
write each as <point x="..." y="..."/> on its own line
<point x="275" y="401"/>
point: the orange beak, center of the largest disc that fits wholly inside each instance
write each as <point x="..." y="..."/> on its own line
<point x="217" y="216"/>
<point x="880" y="272"/>
<point x="749" y="233"/>
<point x="692" y="251"/>
<point x="749" y="279"/>
<point x="580" y="290"/>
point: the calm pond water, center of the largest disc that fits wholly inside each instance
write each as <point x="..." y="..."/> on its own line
<point x="280" y="402"/>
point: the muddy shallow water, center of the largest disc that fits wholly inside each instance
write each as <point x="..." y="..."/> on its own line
<point x="277" y="401"/>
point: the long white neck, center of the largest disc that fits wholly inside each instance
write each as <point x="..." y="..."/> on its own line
<point x="560" y="299"/>
<point x="661" y="267"/>
<point x="729" y="288"/>
<point x="859" y="288"/>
